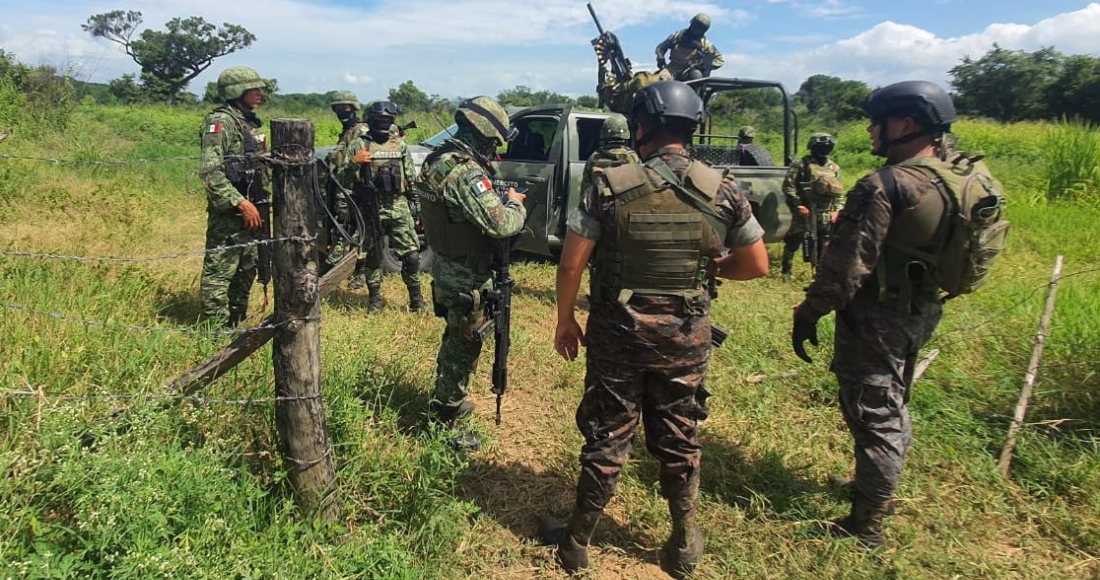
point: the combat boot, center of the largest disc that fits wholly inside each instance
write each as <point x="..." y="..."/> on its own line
<point x="448" y="416"/>
<point x="684" y="547"/>
<point x="786" y="266"/>
<point x="864" y="522"/>
<point x="416" y="299"/>
<point x="374" y="299"/>
<point x="571" y="540"/>
<point x="848" y="484"/>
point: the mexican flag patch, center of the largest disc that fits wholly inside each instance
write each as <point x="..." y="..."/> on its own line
<point x="484" y="185"/>
<point x="213" y="128"/>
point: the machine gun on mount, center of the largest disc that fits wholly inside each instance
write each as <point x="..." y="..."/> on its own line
<point x="611" y="51"/>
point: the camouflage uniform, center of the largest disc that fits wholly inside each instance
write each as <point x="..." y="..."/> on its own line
<point x="684" y="55"/>
<point x="604" y="157"/>
<point x="881" y="325"/>
<point x="799" y="190"/>
<point x="462" y="215"/>
<point x="227" y="276"/>
<point x="619" y="96"/>
<point x="647" y="351"/>
<point x="394" y="216"/>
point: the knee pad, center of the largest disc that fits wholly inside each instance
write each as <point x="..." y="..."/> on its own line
<point x="410" y="264"/>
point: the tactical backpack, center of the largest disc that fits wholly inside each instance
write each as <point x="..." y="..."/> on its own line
<point x="972" y="231"/>
<point x="821" y="181"/>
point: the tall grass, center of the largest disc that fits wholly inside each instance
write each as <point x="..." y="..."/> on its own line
<point x="1072" y="152"/>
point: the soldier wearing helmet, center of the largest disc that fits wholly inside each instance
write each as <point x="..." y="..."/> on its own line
<point x="652" y="233"/>
<point x="464" y="213"/>
<point x="380" y="169"/>
<point x="886" y="303"/>
<point x="614" y="148"/>
<point x="748" y="152"/>
<point x="231" y="143"/>
<point x="812" y="189"/>
<point x="691" y="55"/>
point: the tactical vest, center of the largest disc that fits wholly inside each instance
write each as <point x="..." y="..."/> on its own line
<point x="244" y="171"/>
<point x="820" y="185"/>
<point x="460" y="240"/>
<point x="662" y="241"/>
<point x="385" y="173"/>
<point x="681" y="57"/>
<point x="613" y="155"/>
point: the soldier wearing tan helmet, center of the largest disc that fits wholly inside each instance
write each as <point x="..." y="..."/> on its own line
<point x="231" y="143"/>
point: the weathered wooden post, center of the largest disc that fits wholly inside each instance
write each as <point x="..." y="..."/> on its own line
<point x="299" y="409"/>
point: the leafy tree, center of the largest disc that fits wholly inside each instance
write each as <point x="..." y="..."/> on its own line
<point x="588" y="102"/>
<point x="410" y="98"/>
<point x="1007" y="85"/>
<point x="523" y="96"/>
<point x="125" y="90"/>
<point x="833" y="100"/>
<point x="169" y="59"/>
<point x="1076" y="92"/>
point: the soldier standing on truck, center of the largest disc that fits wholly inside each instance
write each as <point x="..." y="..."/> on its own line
<point x="614" y="148"/>
<point x="231" y="142"/>
<point x="653" y="232"/>
<point x="463" y="215"/>
<point x="379" y="164"/>
<point x="812" y="190"/>
<point x="691" y="55"/>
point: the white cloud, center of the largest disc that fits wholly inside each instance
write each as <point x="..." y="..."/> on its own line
<point x="352" y="79"/>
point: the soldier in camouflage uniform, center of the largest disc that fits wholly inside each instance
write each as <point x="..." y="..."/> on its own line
<point x="749" y="153"/>
<point x="345" y="105"/>
<point x="618" y="94"/>
<point x="887" y="306"/>
<point x="691" y="55"/>
<point x="231" y="142"/>
<point x="613" y="150"/>
<point x="812" y="189"/>
<point x="380" y="167"/>
<point x="653" y="231"/>
<point x="463" y="215"/>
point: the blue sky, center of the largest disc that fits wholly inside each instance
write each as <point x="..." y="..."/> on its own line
<point x="465" y="47"/>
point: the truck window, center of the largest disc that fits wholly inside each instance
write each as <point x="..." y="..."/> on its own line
<point x="536" y="134"/>
<point x="588" y="137"/>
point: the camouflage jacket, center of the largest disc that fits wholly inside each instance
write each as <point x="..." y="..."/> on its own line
<point x="797" y="188"/>
<point x="619" y="96"/>
<point x="335" y="157"/>
<point x="607" y="157"/>
<point x="858" y="241"/>
<point x="458" y="195"/>
<point x="222" y="137"/>
<point x="683" y="56"/>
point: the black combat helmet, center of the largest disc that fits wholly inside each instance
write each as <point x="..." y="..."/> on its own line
<point x="700" y="24"/>
<point x="668" y="103"/>
<point x="923" y="100"/>
<point x="380" y="117"/>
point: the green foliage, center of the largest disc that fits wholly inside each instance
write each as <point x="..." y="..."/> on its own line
<point x="410" y="99"/>
<point x="833" y="100"/>
<point x="1072" y="155"/>
<point x="523" y="96"/>
<point x="169" y="59"/>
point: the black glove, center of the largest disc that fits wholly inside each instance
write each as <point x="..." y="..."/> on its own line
<point x="805" y="328"/>
<point x="661" y="62"/>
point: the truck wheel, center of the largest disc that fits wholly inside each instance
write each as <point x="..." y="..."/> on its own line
<point x="391" y="262"/>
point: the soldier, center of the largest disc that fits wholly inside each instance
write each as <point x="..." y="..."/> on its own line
<point x="812" y="189"/>
<point x="233" y="178"/>
<point x="887" y="305"/>
<point x="691" y="55"/>
<point x="345" y="105"/>
<point x="381" y="168"/>
<point x="613" y="150"/>
<point x="749" y="153"/>
<point x="653" y="232"/>
<point x="463" y="214"/>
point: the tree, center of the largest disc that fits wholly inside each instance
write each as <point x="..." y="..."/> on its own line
<point x="169" y="59"/>
<point x="1007" y="85"/>
<point x="410" y="98"/>
<point x="125" y="90"/>
<point x="1076" y="92"/>
<point x="833" y="100"/>
<point x="523" y="96"/>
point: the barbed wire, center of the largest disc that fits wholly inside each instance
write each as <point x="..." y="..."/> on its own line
<point x="60" y="161"/>
<point x="156" y="397"/>
<point x="187" y="254"/>
<point x="140" y="328"/>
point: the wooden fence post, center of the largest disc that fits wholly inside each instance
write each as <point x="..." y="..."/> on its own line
<point x="296" y="352"/>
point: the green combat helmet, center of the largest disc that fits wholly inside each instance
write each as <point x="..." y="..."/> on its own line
<point x="746" y="134"/>
<point x="344" y="98"/>
<point x="235" y="80"/>
<point x="486" y="116"/>
<point x="821" y="144"/>
<point x="614" y="130"/>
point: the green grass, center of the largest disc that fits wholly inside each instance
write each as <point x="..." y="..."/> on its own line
<point x="198" y="490"/>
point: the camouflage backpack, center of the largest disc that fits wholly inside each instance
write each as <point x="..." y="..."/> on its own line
<point x="822" y="181"/>
<point x="973" y="228"/>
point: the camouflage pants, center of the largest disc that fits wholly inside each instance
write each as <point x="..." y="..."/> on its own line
<point x="396" y="221"/>
<point x="227" y="276"/>
<point x="876" y="350"/>
<point x="645" y="362"/>
<point x="458" y="301"/>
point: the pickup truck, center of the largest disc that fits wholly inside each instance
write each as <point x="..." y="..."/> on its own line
<point x="554" y="141"/>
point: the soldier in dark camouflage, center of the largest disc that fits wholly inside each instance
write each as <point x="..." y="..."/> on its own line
<point x="887" y="306"/>
<point x="653" y="232"/>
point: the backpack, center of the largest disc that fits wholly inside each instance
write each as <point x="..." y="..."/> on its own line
<point x="975" y="229"/>
<point x="823" y="181"/>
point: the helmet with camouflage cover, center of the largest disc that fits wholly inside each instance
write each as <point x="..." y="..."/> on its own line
<point x="485" y="116"/>
<point x="614" y="129"/>
<point x="923" y="100"/>
<point x="666" y="103"/>
<point x="700" y="24"/>
<point x="746" y="134"/>
<point x="236" y="80"/>
<point x="344" y="98"/>
<point x="821" y="144"/>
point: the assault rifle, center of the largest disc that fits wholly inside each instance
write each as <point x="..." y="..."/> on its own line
<point x="262" y="202"/>
<point x="497" y="302"/>
<point x="809" y="240"/>
<point x="718" y="334"/>
<point x="612" y="51"/>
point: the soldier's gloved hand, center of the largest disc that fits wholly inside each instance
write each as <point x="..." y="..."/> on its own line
<point x="361" y="157"/>
<point x="250" y="215"/>
<point x="805" y="328"/>
<point x="661" y="62"/>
